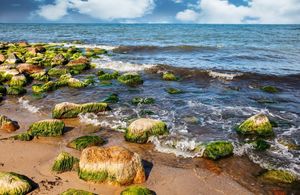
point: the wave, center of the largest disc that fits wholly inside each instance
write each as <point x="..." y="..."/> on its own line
<point x="106" y="47"/>
<point x="25" y="104"/>
<point x="172" y="48"/>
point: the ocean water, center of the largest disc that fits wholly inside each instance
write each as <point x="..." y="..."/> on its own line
<point x="222" y="68"/>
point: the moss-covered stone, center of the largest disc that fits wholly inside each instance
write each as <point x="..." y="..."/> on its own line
<point x="141" y="129"/>
<point x="13" y="59"/>
<point x="7" y="124"/>
<point x="174" y="91"/>
<point x="112" y="98"/>
<point x="40" y="76"/>
<point x="14" y="184"/>
<point x="136" y="190"/>
<point x="218" y="149"/>
<point x="18" y="80"/>
<point x="258" y="124"/>
<point x="109" y="76"/>
<point x="47" y="128"/>
<point x="65" y="162"/>
<point x="71" y="110"/>
<point x="49" y="86"/>
<point x="2" y="89"/>
<point x="83" y="142"/>
<point x="72" y="191"/>
<point x="260" y="145"/>
<point x="115" y="165"/>
<point x="23" y="137"/>
<point x="80" y="64"/>
<point x="16" y="90"/>
<point x="269" y="89"/>
<point x="58" y="60"/>
<point x="169" y="77"/>
<point x="131" y="79"/>
<point x="57" y="72"/>
<point x="279" y="176"/>
<point x="140" y="100"/>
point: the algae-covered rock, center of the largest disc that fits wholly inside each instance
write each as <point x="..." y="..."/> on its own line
<point x="40" y="76"/>
<point x="76" y="83"/>
<point x="47" y="128"/>
<point x="29" y="68"/>
<point x="140" y="100"/>
<point x="14" y="184"/>
<point x="18" y="80"/>
<point x="2" y="58"/>
<point x="2" y="89"/>
<point x="279" y="176"/>
<point x="136" y="190"/>
<point x="174" y="91"/>
<point x="260" y="145"/>
<point x="7" y="124"/>
<point x="269" y="89"/>
<point x="16" y="90"/>
<point x="290" y="143"/>
<point x="131" y="79"/>
<point x="141" y="129"/>
<point x="13" y="59"/>
<point x="80" y="64"/>
<point x="169" y="77"/>
<point x="57" y="71"/>
<point x="71" y="110"/>
<point x="83" y="142"/>
<point x="112" y="98"/>
<point x="258" y="124"/>
<point x="58" y="60"/>
<point x="218" y="149"/>
<point x="49" y="86"/>
<point x="72" y="191"/>
<point x="23" y="137"/>
<point x="65" y="162"/>
<point x="108" y="76"/>
<point x="112" y="164"/>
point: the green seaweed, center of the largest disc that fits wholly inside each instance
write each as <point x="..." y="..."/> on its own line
<point x="269" y="89"/>
<point x="112" y="98"/>
<point x="169" y="77"/>
<point x="260" y="145"/>
<point x="16" y="90"/>
<point x="130" y="79"/>
<point x="65" y="162"/>
<point x="83" y="142"/>
<point x="99" y="176"/>
<point x="174" y="91"/>
<point x="141" y="100"/>
<point x="14" y="184"/>
<point x="136" y="190"/>
<point x="72" y="191"/>
<point x="217" y="149"/>
<point x="279" y="176"/>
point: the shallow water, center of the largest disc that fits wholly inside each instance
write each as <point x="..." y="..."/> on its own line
<point x="221" y="70"/>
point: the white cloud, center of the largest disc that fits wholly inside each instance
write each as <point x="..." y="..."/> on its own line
<point x="258" y="11"/>
<point x="99" y="9"/>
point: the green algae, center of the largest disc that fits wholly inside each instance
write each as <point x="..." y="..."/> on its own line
<point x="65" y="162"/>
<point x="279" y="176"/>
<point x="16" y="90"/>
<point x="83" y="142"/>
<point x="136" y="190"/>
<point x="47" y="128"/>
<point x="14" y="184"/>
<point x="112" y="98"/>
<point x="174" y="91"/>
<point x="99" y="176"/>
<point x="269" y="89"/>
<point x="141" y="100"/>
<point x="131" y="79"/>
<point x="218" y="149"/>
<point x="72" y="191"/>
<point x="169" y="77"/>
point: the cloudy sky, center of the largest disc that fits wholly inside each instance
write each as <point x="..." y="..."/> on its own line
<point x="152" y="11"/>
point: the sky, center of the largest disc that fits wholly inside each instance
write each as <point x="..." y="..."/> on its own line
<point x="151" y="11"/>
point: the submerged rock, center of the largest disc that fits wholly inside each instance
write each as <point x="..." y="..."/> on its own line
<point x="65" y="162"/>
<point x="260" y="145"/>
<point x="83" y="142"/>
<point x="72" y="191"/>
<point x="269" y="89"/>
<point x="218" y="149"/>
<point x="80" y="64"/>
<point x="112" y="98"/>
<point x="279" y="176"/>
<point x="47" y="128"/>
<point x="49" y="86"/>
<point x="7" y="124"/>
<point x="141" y="129"/>
<point x="258" y="124"/>
<point x="169" y="77"/>
<point x="108" y="76"/>
<point x="131" y="79"/>
<point x="71" y="110"/>
<point x="115" y="165"/>
<point x="16" y="90"/>
<point x="13" y="183"/>
<point x="174" y="91"/>
<point x="140" y="100"/>
<point x="137" y="190"/>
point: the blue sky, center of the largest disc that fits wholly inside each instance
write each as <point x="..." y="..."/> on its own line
<point x="152" y="11"/>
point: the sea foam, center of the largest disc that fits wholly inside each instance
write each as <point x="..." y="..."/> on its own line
<point x="25" y="104"/>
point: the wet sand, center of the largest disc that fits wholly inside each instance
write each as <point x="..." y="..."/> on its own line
<point x="166" y="174"/>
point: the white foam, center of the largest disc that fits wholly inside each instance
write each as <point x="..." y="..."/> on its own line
<point x="105" y="62"/>
<point x="89" y="118"/>
<point x="25" y="104"/>
<point x="106" y="47"/>
<point x="225" y="76"/>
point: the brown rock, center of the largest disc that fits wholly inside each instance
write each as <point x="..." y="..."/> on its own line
<point x="23" y="44"/>
<point x="81" y="60"/>
<point x="7" y="124"/>
<point x="29" y="68"/>
<point x="2" y="58"/>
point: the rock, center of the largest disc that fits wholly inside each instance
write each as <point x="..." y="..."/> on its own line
<point x="174" y="91"/>
<point x="80" y="64"/>
<point x="59" y="60"/>
<point x="13" y="59"/>
<point x="41" y="88"/>
<point x="99" y="51"/>
<point x="290" y="143"/>
<point x="115" y="165"/>
<point x="72" y="191"/>
<point x="40" y="76"/>
<point x="71" y="110"/>
<point x="140" y="100"/>
<point x="131" y="79"/>
<point x="65" y="162"/>
<point x="269" y="89"/>
<point x="137" y="190"/>
<point x="13" y="183"/>
<point x="2" y="58"/>
<point x="57" y="72"/>
<point x="2" y="89"/>
<point x="260" y="145"/>
<point x="76" y="83"/>
<point x="18" y="80"/>
<point x="23" y="137"/>
<point x="32" y="50"/>
<point x="258" y="124"/>
<point x="29" y="68"/>
<point x="7" y="73"/>
<point x="141" y="129"/>
<point x="23" y="44"/>
<point x="109" y="76"/>
<point x="218" y="149"/>
<point x="112" y="98"/>
<point x="169" y="77"/>
<point x="83" y="142"/>
<point x="279" y="176"/>
<point x="16" y="90"/>
<point x="40" y="49"/>
<point x="7" y="124"/>
<point x="47" y="128"/>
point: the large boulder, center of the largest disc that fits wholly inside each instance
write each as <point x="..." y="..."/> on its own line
<point x="7" y="124"/>
<point x="258" y="124"/>
<point x="115" y="165"/>
<point x="29" y="68"/>
<point x="13" y="183"/>
<point x="141" y="129"/>
<point x="72" y="110"/>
